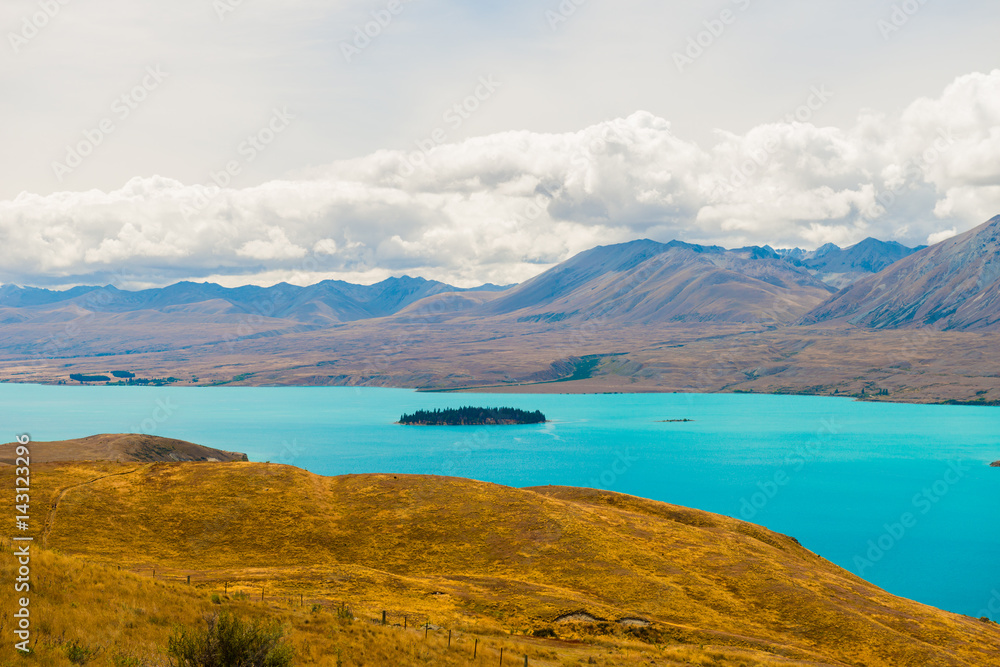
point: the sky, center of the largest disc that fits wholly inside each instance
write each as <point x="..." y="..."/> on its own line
<point x="258" y="141"/>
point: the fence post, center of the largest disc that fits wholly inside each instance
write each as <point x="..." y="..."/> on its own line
<point x="383" y="617"/>
<point x="301" y="601"/>
<point x="189" y="580"/>
<point x="449" y="639"/>
<point x="261" y="593"/>
<point x="475" y="649"/>
<point x="404" y="622"/>
<point x="501" y="656"/>
<point x="525" y="661"/>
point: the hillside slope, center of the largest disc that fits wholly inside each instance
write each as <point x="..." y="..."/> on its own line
<point x="121" y="447"/>
<point x="840" y="267"/>
<point x="644" y="282"/>
<point x="549" y="558"/>
<point x="951" y="286"/>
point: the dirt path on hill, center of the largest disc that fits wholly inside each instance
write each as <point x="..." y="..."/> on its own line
<point x="61" y="493"/>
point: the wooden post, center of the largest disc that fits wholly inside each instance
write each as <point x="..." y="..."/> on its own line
<point x="475" y="649"/>
<point x="404" y="622"/>
<point x="501" y="656"/>
<point x="449" y="639"/>
<point x="525" y="661"/>
<point x="227" y="588"/>
<point x="427" y="628"/>
<point x="301" y="601"/>
<point x="261" y="593"/>
<point x="189" y="580"/>
<point x="383" y="617"/>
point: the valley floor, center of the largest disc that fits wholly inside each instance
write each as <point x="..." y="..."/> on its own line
<point x="898" y="365"/>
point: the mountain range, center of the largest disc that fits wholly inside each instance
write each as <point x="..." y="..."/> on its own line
<point x="327" y="302"/>
<point x="951" y="286"/>
<point x="636" y="316"/>
<point x="639" y="282"/>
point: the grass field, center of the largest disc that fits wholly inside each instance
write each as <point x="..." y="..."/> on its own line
<point x="564" y="576"/>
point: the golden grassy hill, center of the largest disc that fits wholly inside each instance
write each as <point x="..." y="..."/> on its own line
<point x="491" y="559"/>
<point x="120" y="447"/>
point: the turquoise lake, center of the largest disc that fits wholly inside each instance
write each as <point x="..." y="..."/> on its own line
<point x="902" y="495"/>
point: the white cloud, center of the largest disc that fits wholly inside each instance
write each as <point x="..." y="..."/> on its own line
<point x="503" y="207"/>
<point x="943" y="235"/>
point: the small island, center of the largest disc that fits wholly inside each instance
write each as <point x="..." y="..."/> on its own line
<point x="995" y="464"/>
<point x="675" y="421"/>
<point x="470" y="416"/>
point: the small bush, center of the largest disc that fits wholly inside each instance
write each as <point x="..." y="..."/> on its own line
<point x="125" y="660"/>
<point x="79" y="654"/>
<point x="229" y="641"/>
<point x="216" y="599"/>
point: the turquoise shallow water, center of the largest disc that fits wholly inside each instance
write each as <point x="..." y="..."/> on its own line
<point x="900" y="494"/>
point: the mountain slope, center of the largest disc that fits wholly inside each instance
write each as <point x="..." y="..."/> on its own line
<point x="648" y="282"/>
<point x="120" y="447"/>
<point x="951" y="286"/>
<point x="840" y="267"/>
<point x="548" y="559"/>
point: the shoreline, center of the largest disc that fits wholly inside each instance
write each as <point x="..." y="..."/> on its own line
<point x="534" y="389"/>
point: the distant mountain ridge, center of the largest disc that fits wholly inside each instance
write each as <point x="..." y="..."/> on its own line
<point x="330" y="301"/>
<point x="951" y="286"/>
<point x="649" y="282"/>
<point x="840" y="267"/>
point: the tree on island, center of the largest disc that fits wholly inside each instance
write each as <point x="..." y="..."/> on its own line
<point x="470" y="416"/>
<point x="78" y="377"/>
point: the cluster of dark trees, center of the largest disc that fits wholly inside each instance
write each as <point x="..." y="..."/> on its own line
<point x="89" y="378"/>
<point x="124" y="377"/>
<point x="469" y="416"/>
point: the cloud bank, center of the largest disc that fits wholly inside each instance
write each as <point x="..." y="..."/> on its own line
<point x="503" y="207"/>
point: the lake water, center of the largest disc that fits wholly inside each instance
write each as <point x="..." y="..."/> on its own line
<point x="899" y="494"/>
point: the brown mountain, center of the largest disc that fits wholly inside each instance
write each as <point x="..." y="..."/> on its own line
<point x="644" y="282"/>
<point x="120" y="447"/>
<point x="951" y="286"/>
